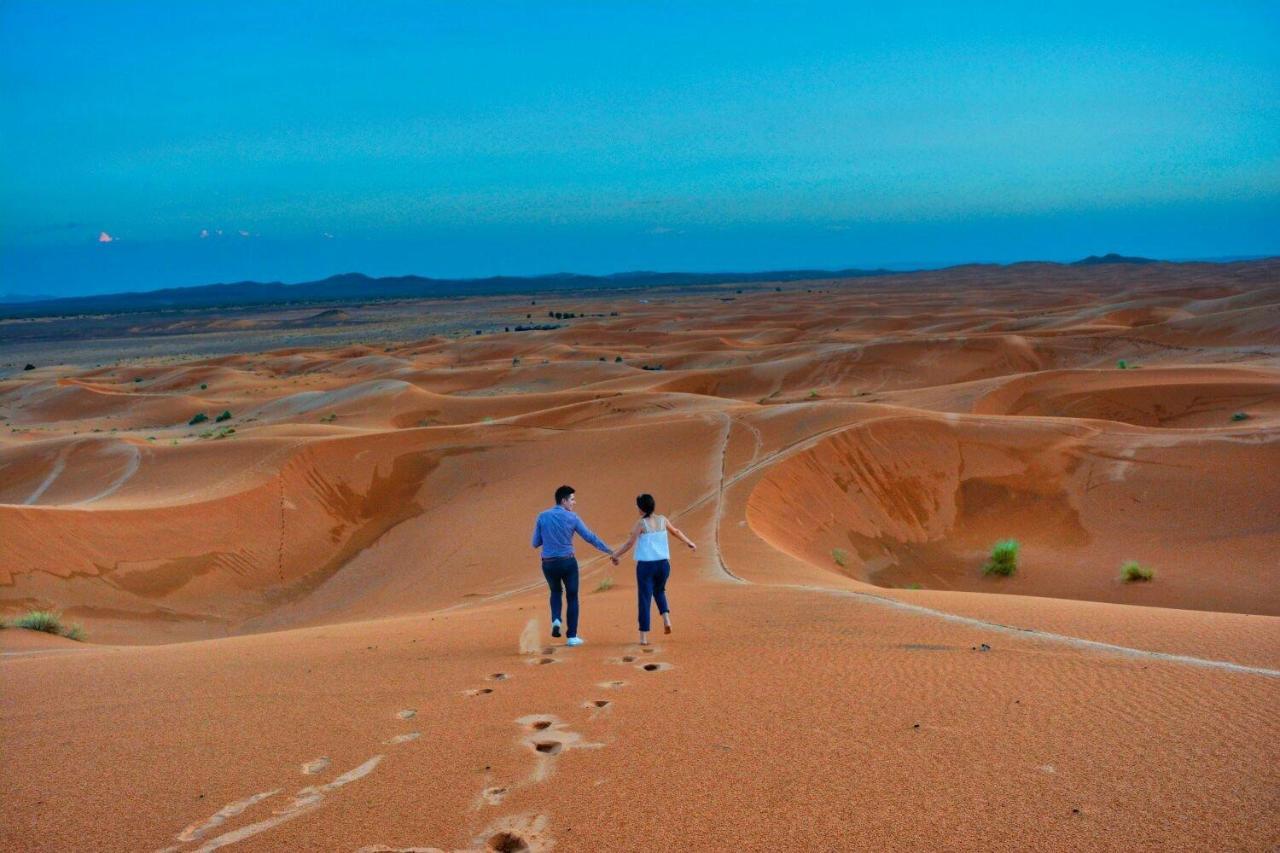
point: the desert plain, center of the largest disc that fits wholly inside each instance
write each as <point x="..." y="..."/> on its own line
<point x="303" y="621"/>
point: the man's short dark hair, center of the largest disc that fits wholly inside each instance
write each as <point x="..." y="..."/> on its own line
<point x="563" y="492"/>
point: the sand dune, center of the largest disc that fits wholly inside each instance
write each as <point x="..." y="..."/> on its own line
<point x="304" y="618"/>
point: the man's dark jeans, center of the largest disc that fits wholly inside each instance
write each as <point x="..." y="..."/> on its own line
<point x="563" y="571"/>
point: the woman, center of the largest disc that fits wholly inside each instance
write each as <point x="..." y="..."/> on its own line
<point x="653" y="564"/>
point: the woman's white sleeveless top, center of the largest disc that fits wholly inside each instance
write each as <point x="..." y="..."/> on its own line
<point x="653" y="541"/>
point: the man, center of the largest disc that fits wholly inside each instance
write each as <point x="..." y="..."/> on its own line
<point x="553" y="533"/>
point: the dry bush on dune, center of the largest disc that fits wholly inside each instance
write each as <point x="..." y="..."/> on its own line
<point x="605" y="584"/>
<point x="840" y="556"/>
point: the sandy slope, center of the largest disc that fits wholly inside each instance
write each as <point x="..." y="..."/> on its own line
<point x="358" y="547"/>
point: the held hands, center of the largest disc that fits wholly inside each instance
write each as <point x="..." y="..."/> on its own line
<point x="692" y="547"/>
<point x="613" y="558"/>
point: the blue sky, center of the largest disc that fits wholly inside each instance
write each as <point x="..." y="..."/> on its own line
<point x="462" y="139"/>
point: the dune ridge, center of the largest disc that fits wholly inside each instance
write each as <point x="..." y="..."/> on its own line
<point x="336" y="576"/>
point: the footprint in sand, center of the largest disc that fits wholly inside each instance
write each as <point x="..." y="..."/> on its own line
<point x="316" y="765"/>
<point x="547" y="737"/>
<point x="541" y="661"/>
<point x="304" y="801"/>
<point x="404" y="738"/>
<point x="623" y="659"/>
<point x="612" y="685"/>
<point x="656" y="666"/>
<point x="517" y="834"/>
<point x="407" y="714"/>
<point x="493" y="795"/>
<point x="479" y="691"/>
<point x="196" y="830"/>
<point x="597" y="706"/>
<point x="498" y="676"/>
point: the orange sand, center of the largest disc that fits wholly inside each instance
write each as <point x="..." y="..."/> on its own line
<point x="358" y="547"/>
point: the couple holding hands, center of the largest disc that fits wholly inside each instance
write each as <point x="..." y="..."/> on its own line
<point x="553" y="533"/>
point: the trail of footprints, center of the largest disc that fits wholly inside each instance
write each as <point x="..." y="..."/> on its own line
<point x="545" y="736"/>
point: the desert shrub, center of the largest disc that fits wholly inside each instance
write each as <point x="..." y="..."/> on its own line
<point x="1004" y="559"/>
<point x="1122" y="365"/>
<point x="606" y="583"/>
<point x="225" y="416"/>
<point x="1132" y="571"/>
<point x="29" y="367"/>
<point x="617" y="359"/>
<point x="914" y="586"/>
<point x="329" y="418"/>
<point x="1240" y="416"/>
<point x="515" y="361"/>
<point x="40" y="620"/>
<point x="840" y="556"/>
<point x="813" y="395"/>
<point x="74" y="632"/>
<point x="198" y="418"/>
<point x="204" y="387"/>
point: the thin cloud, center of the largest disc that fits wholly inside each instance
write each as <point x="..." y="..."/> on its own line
<point x="104" y="237"/>
<point x="661" y="229"/>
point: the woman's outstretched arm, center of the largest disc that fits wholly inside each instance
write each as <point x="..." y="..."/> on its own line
<point x="675" y="531"/>
<point x="635" y="532"/>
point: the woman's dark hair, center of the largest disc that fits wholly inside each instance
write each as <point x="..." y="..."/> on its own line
<point x="563" y="492"/>
<point x="646" y="504"/>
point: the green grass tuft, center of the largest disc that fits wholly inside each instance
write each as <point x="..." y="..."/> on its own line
<point x="40" y="620"/>
<point x="840" y="556"/>
<point x="1004" y="559"/>
<point x="1132" y="571"/>
<point x="198" y="418"/>
<point x="606" y="584"/>
<point x="1122" y="365"/>
<point x="74" y="632"/>
<point x="225" y="416"/>
<point x="913" y="586"/>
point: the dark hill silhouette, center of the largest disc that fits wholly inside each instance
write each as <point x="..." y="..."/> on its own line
<point x="1112" y="258"/>
<point x="357" y="287"/>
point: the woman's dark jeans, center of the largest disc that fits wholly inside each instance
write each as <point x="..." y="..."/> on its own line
<point x="563" y="571"/>
<point x="651" y="583"/>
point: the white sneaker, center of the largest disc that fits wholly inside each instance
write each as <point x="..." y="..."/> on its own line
<point x="574" y="641"/>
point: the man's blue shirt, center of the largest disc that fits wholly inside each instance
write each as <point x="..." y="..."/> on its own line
<point x="554" y="530"/>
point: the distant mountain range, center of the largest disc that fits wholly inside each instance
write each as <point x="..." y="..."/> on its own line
<point x="1111" y="258"/>
<point x="356" y="287"/>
